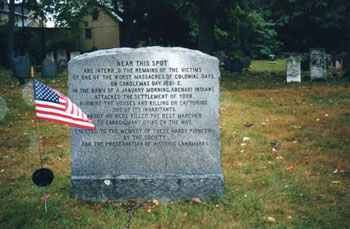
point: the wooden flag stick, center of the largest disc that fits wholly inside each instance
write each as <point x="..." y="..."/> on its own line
<point x="37" y="127"/>
<point x="39" y="144"/>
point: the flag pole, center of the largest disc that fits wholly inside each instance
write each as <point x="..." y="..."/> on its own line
<point x="37" y="127"/>
<point x="39" y="145"/>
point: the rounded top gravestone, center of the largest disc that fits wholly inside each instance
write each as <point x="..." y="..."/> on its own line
<point x="156" y="112"/>
<point x="48" y="68"/>
<point x="21" y="67"/>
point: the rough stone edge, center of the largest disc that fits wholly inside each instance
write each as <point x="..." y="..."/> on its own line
<point x="118" y="51"/>
<point x="163" y="188"/>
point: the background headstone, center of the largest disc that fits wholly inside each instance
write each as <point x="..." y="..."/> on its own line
<point x="272" y="59"/>
<point x="61" y="64"/>
<point x="156" y="112"/>
<point x="221" y="55"/>
<point x="48" y="69"/>
<point x="50" y="55"/>
<point x="61" y="56"/>
<point x="318" y="64"/>
<point x="246" y="62"/>
<point x="233" y="65"/>
<point x="346" y="63"/>
<point x="329" y="60"/>
<point x="293" y="68"/>
<point x="21" y="67"/>
<point x="74" y="54"/>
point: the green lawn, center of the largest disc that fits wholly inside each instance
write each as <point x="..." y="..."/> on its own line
<point x="304" y="183"/>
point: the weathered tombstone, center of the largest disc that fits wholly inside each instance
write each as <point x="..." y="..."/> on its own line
<point x="61" y="56"/>
<point x="48" y="69"/>
<point x="346" y="63"/>
<point x="50" y="55"/>
<point x="343" y="54"/>
<point x="21" y="67"/>
<point x="329" y="60"/>
<point x="318" y="64"/>
<point x="233" y="65"/>
<point x="305" y="62"/>
<point x="221" y="55"/>
<point x="74" y="54"/>
<point x="27" y="53"/>
<point x="272" y="59"/>
<point x="60" y="66"/>
<point x="156" y="112"/>
<point x="293" y="68"/>
<point x="246" y="62"/>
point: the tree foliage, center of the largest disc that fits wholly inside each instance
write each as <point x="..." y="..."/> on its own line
<point x="255" y="28"/>
<point x="303" y="24"/>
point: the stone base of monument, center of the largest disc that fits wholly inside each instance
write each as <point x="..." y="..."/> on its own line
<point x="163" y="188"/>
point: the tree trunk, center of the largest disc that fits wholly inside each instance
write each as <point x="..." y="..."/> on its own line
<point x="42" y="37"/>
<point x="11" y="33"/>
<point x="207" y="15"/>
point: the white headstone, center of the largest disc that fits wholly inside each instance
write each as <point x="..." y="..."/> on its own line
<point x="318" y="64"/>
<point x="293" y="68"/>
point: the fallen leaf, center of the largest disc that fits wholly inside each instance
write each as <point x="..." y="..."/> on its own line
<point x="37" y="220"/>
<point x="185" y="214"/>
<point x="96" y="207"/>
<point x="317" y="120"/>
<point x="271" y="219"/>
<point x="335" y="182"/>
<point x="279" y="157"/>
<point x="197" y="200"/>
<point x="170" y="203"/>
<point x="78" y="218"/>
<point x="290" y="168"/>
<point x="155" y="202"/>
<point x="149" y="211"/>
<point x="47" y="196"/>
<point x="304" y="217"/>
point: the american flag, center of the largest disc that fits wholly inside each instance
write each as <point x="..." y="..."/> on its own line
<point x="53" y="106"/>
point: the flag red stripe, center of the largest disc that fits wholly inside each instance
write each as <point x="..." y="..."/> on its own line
<point x="61" y="115"/>
<point x="70" y="124"/>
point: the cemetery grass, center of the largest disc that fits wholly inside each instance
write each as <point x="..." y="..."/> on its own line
<point x="303" y="182"/>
